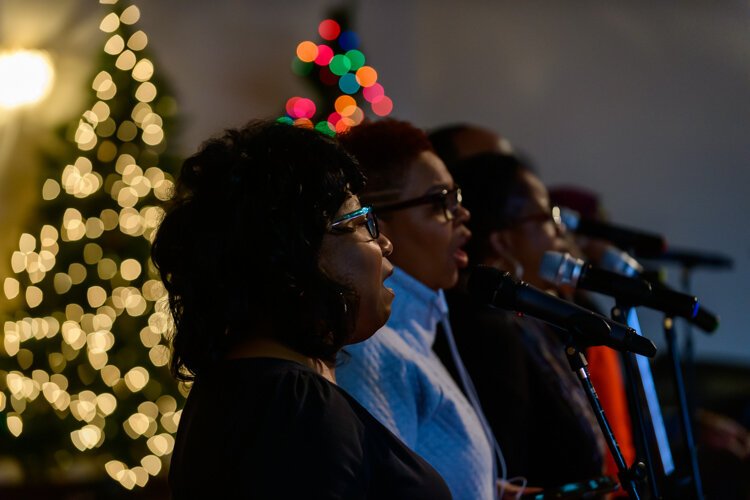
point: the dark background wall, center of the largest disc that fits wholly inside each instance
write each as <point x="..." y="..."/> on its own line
<point x="646" y="103"/>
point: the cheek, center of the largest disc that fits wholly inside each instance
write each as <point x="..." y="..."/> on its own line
<point x="363" y="269"/>
<point x="341" y="262"/>
<point x="544" y="239"/>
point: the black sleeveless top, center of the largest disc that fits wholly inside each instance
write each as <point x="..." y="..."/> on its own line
<point x="271" y="428"/>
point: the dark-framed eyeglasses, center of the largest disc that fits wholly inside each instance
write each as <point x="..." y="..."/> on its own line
<point x="347" y="223"/>
<point x="541" y="217"/>
<point x="448" y="199"/>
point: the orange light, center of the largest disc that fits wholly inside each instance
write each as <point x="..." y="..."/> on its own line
<point x="307" y="51"/>
<point x="367" y="76"/>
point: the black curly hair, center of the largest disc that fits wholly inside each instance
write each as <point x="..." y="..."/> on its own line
<point x="238" y="247"/>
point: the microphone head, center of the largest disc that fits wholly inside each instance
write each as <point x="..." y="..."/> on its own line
<point x="560" y="268"/>
<point x="570" y="218"/>
<point x="489" y="285"/>
<point x="617" y="261"/>
<point x="642" y="243"/>
<point x="551" y="263"/>
<point x="692" y="258"/>
<point x="705" y="320"/>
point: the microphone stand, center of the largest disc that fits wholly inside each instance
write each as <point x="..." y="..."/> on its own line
<point x="618" y="314"/>
<point x="688" y="362"/>
<point x="687" y="429"/>
<point x="579" y="365"/>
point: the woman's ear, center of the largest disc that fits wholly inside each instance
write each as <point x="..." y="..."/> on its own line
<point x="500" y="244"/>
<point x="502" y="253"/>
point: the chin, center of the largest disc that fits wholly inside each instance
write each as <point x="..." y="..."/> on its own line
<point x="361" y="337"/>
<point x="364" y="332"/>
<point x="451" y="279"/>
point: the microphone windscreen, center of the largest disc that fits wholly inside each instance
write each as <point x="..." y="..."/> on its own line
<point x="617" y="261"/>
<point x="705" y="320"/>
<point x="550" y="266"/>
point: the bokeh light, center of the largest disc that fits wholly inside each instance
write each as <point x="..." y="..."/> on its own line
<point x="367" y="76"/>
<point x="82" y="284"/>
<point x="348" y="40"/>
<point x="300" y="107"/>
<point x="345" y="106"/>
<point x="325" y="54"/>
<point x="383" y="106"/>
<point x="373" y="92"/>
<point x="303" y="122"/>
<point x="356" y="58"/>
<point x="348" y="84"/>
<point x="307" y="51"/>
<point x="329" y="29"/>
<point x="26" y="77"/>
<point x="301" y="68"/>
<point x="340" y="65"/>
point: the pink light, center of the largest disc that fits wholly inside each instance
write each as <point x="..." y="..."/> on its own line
<point x="325" y="54"/>
<point x="383" y="106"/>
<point x="334" y="118"/>
<point x="304" y="108"/>
<point x="290" y="106"/>
<point x="373" y="92"/>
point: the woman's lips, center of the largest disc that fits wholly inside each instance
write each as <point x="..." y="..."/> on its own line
<point x="461" y="258"/>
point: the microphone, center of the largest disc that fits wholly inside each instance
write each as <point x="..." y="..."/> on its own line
<point x="694" y="258"/>
<point x="640" y="242"/>
<point x="622" y="263"/>
<point x="563" y="269"/>
<point x="498" y="289"/>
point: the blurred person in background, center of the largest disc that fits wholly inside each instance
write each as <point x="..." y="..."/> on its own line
<point x="536" y="406"/>
<point x="458" y="141"/>
<point x="723" y="443"/>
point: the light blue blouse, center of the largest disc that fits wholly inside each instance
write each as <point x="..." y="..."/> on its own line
<point x="400" y="380"/>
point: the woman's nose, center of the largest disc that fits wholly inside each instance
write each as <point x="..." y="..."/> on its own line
<point x="385" y="245"/>
<point x="462" y="215"/>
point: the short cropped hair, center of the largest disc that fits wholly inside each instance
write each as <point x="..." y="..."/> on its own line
<point x="384" y="149"/>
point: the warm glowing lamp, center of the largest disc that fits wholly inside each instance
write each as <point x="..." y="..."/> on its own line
<point x="26" y="77"/>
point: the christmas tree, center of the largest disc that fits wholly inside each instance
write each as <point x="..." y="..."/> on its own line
<point x="337" y="70"/>
<point x="85" y="377"/>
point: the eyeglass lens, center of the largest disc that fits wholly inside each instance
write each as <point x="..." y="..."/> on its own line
<point x="372" y="225"/>
<point x="451" y="203"/>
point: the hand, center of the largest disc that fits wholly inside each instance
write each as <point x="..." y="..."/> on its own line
<point x="510" y="491"/>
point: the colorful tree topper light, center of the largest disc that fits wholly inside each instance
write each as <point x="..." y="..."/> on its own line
<point x="338" y="69"/>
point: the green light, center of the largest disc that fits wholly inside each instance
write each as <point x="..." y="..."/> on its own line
<point x="357" y="59"/>
<point x="301" y="68"/>
<point x="340" y="65"/>
<point x="324" y="127"/>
